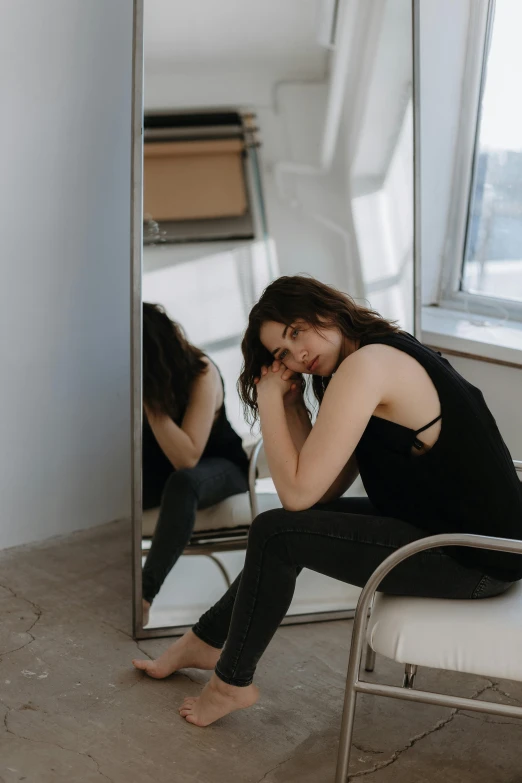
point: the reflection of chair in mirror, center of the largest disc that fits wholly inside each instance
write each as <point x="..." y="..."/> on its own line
<point x="224" y="526"/>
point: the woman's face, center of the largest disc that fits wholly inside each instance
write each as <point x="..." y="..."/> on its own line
<point x="302" y="349"/>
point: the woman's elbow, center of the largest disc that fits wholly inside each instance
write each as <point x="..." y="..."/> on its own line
<point x="187" y="462"/>
<point x="295" y="503"/>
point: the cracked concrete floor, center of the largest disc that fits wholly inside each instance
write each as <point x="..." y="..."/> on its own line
<point x="72" y="708"/>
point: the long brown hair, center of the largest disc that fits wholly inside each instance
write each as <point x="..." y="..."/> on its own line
<point x="170" y="363"/>
<point x="319" y="305"/>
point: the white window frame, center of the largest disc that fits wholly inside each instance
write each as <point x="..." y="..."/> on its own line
<point x="450" y="297"/>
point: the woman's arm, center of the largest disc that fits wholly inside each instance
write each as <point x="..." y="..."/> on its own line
<point x="304" y="478"/>
<point x="183" y="446"/>
<point x="300" y="426"/>
<point x="343" y="481"/>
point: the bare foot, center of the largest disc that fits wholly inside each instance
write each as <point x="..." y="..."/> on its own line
<point x="146" y="612"/>
<point x="217" y="700"/>
<point x="189" y="652"/>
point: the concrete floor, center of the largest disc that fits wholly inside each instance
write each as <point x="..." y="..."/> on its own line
<point x="72" y="708"/>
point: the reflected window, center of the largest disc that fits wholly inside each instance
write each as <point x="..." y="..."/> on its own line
<point x="493" y="251"/>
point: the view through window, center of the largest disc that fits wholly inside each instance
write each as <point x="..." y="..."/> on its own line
<point x="493" y="251"/>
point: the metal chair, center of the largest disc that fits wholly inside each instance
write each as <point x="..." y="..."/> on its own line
<point x="444" y="648"/>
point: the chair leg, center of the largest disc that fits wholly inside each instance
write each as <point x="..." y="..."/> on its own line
<point x="350" y="695"/>
<point x="369" y="665"/>
<point x="410" y="670"/>
<point x="345" y="745"/>
<point x="221" y="568"/>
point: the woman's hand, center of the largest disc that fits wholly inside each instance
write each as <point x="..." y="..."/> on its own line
<point x="278" y="378"/>
<point x="294" y="397"/>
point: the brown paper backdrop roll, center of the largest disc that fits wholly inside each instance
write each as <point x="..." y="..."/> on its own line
<point x="191" y="180"/>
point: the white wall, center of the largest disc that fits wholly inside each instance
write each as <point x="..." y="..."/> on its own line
<point x="443" y="37"/>
<point x="65" y="141"/>
<point x="293" y="133"/>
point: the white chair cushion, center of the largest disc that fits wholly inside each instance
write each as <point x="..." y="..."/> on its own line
<point x="481" y="636"/>
<point x="232" y="512"/>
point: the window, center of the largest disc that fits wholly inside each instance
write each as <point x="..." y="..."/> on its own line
<point x="492" y="265"/>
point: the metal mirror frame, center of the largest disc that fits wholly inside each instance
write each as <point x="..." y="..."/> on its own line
<point x="135" y="306"/>
<point x="136" y="270"/>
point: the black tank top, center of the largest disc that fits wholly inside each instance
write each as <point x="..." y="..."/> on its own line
<point x="466" y="483"/>
<point x="223" y="441"/>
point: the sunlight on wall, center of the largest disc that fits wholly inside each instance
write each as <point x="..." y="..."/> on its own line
<point x="383" y="222"/>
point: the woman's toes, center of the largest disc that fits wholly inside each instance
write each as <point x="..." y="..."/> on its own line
<point x="187" y="709"/>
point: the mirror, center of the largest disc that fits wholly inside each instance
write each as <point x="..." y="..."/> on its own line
<point x="278" y="140"/>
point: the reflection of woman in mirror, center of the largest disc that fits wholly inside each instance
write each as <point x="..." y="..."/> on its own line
<point x="192" y="458"/>
<point x="428" y="451"/>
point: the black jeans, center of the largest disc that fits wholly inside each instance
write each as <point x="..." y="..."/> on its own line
<point x="346" y="540"/>
<point x="213" y="479"/>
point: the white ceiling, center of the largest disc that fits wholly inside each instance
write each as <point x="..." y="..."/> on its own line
<point x="232" y="52"/>
<point x="224" y="33"/>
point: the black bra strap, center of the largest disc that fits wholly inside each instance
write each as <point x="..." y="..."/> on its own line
<point x="429" y="425"/>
